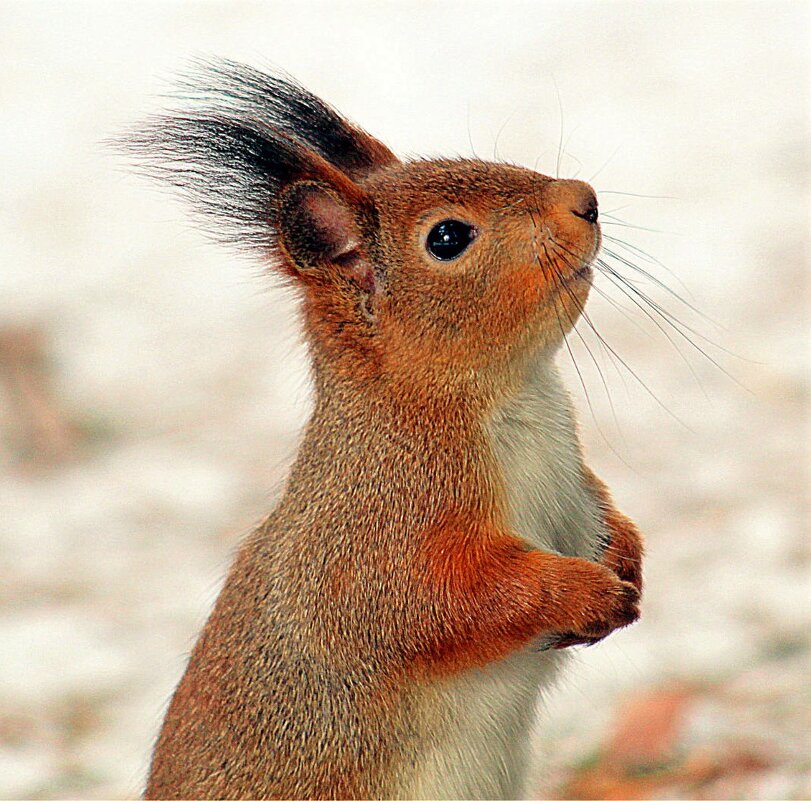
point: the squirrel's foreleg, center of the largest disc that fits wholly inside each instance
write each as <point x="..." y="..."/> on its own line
<point x="481" y="594"/>
<point x="622" y="554"/>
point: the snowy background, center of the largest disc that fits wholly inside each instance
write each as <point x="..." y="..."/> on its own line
<point x="152" y="385"/>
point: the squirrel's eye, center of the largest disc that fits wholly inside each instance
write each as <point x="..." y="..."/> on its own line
<point x="449" y="239"/>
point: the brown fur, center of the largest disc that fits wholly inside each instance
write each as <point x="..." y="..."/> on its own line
<point x="388" y="563"/>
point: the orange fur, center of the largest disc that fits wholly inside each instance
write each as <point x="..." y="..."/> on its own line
<point x="493" y="594"/>
<point x="625" y="549"/>
<point x="622" y="553"/>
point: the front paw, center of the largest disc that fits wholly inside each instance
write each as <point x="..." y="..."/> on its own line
<point x="627" y="567"/>
<point x="621" y="609"/>
<point x="606" y="603"/>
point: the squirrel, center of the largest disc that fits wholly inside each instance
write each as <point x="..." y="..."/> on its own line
<point x="385" y="631"/>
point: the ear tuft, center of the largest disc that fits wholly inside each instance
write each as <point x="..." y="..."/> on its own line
<point x="239" y="138"/>
<point x="280" y="102"/>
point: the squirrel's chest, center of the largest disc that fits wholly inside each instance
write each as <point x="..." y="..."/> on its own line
<point x="535" y="443"/>
<point x="481" y="719"/>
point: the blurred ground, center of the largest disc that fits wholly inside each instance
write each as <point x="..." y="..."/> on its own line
<point x="152" y="385"/>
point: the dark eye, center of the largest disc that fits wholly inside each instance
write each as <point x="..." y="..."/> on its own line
<point x="449" y="239"/>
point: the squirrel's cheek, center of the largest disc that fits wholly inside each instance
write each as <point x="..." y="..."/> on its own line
<point x="524" y="287"/>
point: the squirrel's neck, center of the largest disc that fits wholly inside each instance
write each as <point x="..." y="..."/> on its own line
<point x="428" y="453"/>
<point x="419" y="453"/>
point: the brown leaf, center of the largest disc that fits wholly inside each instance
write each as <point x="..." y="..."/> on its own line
<point x="648" y="729"/>
<point x="41" y="430"/>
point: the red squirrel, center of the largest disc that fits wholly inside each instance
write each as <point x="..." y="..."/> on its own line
<point x="385" y="631"/>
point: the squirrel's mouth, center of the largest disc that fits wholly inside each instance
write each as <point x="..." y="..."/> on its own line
<point x="573" y="286"/>
<point x="584" y="273"/>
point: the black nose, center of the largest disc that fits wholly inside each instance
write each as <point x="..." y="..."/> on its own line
<point x="587" y="211"/>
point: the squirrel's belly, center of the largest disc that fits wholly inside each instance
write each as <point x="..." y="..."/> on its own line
<point x="477" y="730"/>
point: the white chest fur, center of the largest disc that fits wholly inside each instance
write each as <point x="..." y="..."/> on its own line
<point x="481" y="721"/>
<point x="535" y="441"/>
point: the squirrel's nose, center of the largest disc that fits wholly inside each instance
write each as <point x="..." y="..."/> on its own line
<point x="581" y="199"/>
<point x="588" y="210"/>
<point x="569" y="207"/>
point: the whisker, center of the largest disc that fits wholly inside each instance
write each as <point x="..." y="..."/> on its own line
<point x="671" y="319"/>
<point x="470" y="135"/>
<point x="614" y="549"/>
<point x="627" y="316"/>
<point x="574" y="328"/>
<point x="622" y="224"/>
<point x="622" y="310"/>
<point x="573" y="158"/>
<point x="574" y="361"/>
<point x="583" y="384"/>
<point x="511" y="205"/>
<point x="611" y="350"/>
<point x="636" y="194"/>
<point x="568" y="291"/>
<point x="656" y="323"/>
<point x="560" y="141"/>
<point x="661" y="284"/>
<point x="674" y="323"/>
<point x="661" y="310"/>
<point x="610" y="212"/>
<point x="650" y="259"/>
<point x="629" y="368"/>
<point x="605" y="163"/>
<point x="579" y="164"/>
<point x="498" y="135"/>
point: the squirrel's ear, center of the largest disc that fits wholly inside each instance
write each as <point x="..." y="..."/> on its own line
<point x="238" y="145"/>
<point x="315" y="226"/>
<point x="320" y="228"/>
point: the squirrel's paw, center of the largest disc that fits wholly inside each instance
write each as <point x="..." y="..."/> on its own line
<point x="611" y="604"/>
<point x="627" y="567"/>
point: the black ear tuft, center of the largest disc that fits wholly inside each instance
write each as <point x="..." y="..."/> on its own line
<point x="239" y="137"/>
<point x="281" y="103"/>
<point x="232" y="170"/>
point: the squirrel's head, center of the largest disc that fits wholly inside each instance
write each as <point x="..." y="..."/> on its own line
<point x="437" y="276"/>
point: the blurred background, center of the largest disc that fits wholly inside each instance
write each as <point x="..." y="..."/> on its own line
<point x="153" y="386"/>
